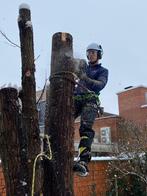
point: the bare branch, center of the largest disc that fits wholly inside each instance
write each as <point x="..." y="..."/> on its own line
<point x="43" y="90"/>
<point x="4" y="35"/>
<point x="37" y="58"/>
<point x="15" y="45"/>
<point x="125" y="172"/>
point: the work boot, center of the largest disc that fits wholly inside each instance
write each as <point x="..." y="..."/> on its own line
<point x="81" y="168"/>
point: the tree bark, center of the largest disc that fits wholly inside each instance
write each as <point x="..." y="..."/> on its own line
<point x="59" y="119"/>
<point x="30" y="126"/>
<point x="9" y="142"/>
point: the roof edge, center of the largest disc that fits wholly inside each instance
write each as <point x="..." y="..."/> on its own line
<point x="131" y="88"/>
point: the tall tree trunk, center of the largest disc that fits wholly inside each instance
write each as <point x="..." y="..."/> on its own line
<point x="30" y="126"/>
<point x="59" y="119"/>
<point x="9" y="143"/>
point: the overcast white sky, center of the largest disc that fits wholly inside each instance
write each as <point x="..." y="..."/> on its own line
<point x="120" y="26"/>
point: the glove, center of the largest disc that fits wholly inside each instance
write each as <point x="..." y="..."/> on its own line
<point x="90" y="81"/>
<point x="83" y="76"/>
<point x="80" y="67"/>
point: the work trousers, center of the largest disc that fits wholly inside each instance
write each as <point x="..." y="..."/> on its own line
<point x="87" y="110"/>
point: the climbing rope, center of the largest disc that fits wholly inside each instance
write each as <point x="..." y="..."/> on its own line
<point x="47" y="155"/>
<point x="88" y="95"/>
<point x="75" y="80"/>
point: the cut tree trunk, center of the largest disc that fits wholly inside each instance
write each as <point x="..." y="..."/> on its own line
<point x="9" y="142"/>
<point x="59" y="119"/>
<point x="30" y="126"/>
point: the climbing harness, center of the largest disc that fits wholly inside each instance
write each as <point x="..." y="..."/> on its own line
<point x="88" y="96"/>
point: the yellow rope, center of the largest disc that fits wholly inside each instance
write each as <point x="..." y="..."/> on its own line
<point x="43" y="155"/>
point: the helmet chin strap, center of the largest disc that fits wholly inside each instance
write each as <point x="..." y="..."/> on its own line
<point x="93" y="62"/>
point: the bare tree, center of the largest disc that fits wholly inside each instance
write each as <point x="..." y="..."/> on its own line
<point x="19" y="129"/>
<point x="130" y="164"/>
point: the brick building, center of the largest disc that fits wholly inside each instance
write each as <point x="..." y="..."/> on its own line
<point x="132" y="103"/>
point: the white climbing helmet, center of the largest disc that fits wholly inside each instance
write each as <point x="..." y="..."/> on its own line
<point x="94" y="46"/>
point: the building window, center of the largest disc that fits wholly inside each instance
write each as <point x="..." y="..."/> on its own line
<point x="105" y="134"/>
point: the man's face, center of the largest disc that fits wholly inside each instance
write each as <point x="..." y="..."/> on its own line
<point x="92" y="55"/>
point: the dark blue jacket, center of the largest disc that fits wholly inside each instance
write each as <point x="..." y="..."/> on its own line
<point x="98" y="76"/>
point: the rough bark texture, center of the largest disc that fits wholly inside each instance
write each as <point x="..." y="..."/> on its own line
<point x="59" y="120"/>
<point x="9" y="143"/>
<point x="30" y="126"/>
